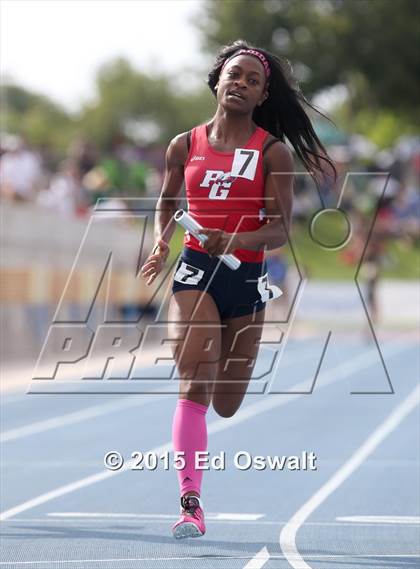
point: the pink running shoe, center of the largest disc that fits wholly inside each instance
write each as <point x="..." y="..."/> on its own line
<point x="191" y="522"/>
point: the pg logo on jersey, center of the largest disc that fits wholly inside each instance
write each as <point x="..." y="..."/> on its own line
<point x="219" y="183"/>
<point x="244" y="165"/>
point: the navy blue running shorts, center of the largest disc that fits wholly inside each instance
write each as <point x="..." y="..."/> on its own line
<point x="235" y="293"/>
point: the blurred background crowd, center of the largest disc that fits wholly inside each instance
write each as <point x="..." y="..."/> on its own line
<point x="355" y="60"/>
<point x="70" y="183"/>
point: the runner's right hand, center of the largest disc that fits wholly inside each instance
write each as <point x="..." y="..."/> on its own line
<point x="155" y="261"/>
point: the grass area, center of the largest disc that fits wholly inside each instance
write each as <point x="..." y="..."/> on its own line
<point x="402" y="261"/>
<point x="176" y="243"/>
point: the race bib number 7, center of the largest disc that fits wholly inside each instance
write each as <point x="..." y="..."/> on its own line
<point x="245" y="162"/>
<point x="188" y="274"/>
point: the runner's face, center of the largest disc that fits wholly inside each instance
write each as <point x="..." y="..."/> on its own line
<point x="245" y="75"/>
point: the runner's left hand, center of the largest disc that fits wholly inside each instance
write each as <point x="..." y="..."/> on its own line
<point x="218" y="242"/>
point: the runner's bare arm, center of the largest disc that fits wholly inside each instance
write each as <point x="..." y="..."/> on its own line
<point x="167" y="204"/>
<point x="278" y="202"/>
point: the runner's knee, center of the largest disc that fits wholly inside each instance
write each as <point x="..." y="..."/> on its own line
<point x="224" y="409"/>
<point x="191" y="388"/>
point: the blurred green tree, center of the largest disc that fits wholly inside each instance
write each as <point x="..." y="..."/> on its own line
<point x="371" y="46"/>
<point x="368" y="46"/>
<point x="149" y="109"/>
<point x="35" y="117"/>
<point x="128" y="104"/>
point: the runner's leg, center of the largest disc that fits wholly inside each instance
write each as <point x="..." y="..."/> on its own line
<point x="194" y="324"/>
<point x="240" y="345"/>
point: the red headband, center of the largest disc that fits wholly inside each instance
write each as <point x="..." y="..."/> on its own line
<point x="256" y="54"/>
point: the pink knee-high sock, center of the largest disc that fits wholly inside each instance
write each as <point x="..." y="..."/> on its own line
<point x="189" y="434"/>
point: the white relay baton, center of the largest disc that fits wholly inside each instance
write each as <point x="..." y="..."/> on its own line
<point x="188" y="223"/>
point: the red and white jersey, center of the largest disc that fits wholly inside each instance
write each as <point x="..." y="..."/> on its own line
<point x="225" y="190"/>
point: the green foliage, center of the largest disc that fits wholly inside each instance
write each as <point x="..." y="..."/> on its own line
<point x="401" y="260"/>
<point x="124" y="96"/>
<point x="369" y="45"/>
<point x="381" y="126"/>
<point x="35" y="117"/>
<point x="127" y="96"/>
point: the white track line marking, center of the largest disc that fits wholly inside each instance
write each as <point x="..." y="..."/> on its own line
<point x="90" y="413"/>
<point x="236" y="517"/>
<point x="380" y="519"/>
<point x="219" y="516"/>
<point x="289" y="531"/>
<point x="335" y="374"/>
<point x="133" y="520"/>
<point x="22" y="376"/>
<point x="215" y="557"/>
<point x="259" y="559"/>
<point x="76" y="417"/>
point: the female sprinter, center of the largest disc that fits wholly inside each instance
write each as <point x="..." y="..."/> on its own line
<point x="238" y="175"/>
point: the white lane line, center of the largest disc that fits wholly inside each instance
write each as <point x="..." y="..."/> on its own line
<point x="90" y="413"/>
<point x="66" y="382"/>
<point x="236" y="517"/>
<point x="335" y="374"/>
<point x="23" y="376"/>
<point x="140" y="520"/>
<point x="289" y="531"/>
<point x="76" y="417"/>
<point x="259" y="559"/>
<point x="215" y="557"/>
<point x="209" y="516"/>
<point x="415" y="520"/>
